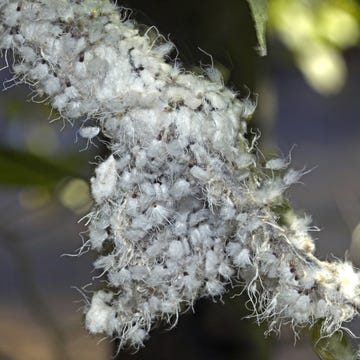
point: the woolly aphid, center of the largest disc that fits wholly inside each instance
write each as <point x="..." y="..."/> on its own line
<point x="182" y="206"/>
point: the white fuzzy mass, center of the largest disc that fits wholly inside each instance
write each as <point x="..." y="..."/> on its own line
<point x="182" y="206"/>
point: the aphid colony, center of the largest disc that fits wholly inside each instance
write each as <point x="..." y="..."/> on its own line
<point x="183" y="206"/>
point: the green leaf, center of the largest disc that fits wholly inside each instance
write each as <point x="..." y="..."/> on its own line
<point x="259" y="13"/>
<point x="23" y="168"/>
<point x="334" y="347"/>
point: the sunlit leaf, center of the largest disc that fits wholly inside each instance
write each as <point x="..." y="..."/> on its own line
<point x="259" y="13"/>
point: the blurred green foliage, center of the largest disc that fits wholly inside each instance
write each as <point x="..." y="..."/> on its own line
<point x="26" y="169"/>
<point x="317" y="32"/>
<point x="39" y="160"/>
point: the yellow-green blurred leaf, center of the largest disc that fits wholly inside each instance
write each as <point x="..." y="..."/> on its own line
<point x="259" y="13"/>
<point x="317" y="33"/>
<point x="74" y="194"/>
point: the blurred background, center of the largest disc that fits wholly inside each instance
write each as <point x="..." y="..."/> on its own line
<point x="307" y="89"/>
